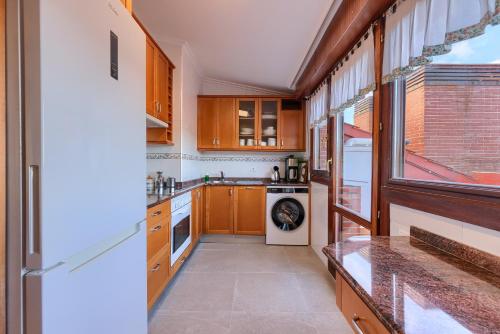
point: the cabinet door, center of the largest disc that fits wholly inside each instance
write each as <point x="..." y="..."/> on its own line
<point x="150" y="78"/>
<point x="269" y="130"/>
<point x="162" y="86"/>
<point x="292" y="130"/>
<point x="207" y="123"/>
<point x="219" y="210"/>
<point x="226" y="132"/>
<point x="247" y="124"/>
<point x="250" y="210"/>
<point x="158" y="275"/>
<point x="197" y="213"/>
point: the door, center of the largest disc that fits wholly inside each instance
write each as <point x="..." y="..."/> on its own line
<point x="207" y="123"/>
<point x="226" y="132"/>
<point x="93" y="152"/>
<point x="150" y="78"/>
<point x="269" y="124"/>
<point x="162" y="85"/>
<point x="219" y="210"/>
<point x="292" y="130"/>
<point x="247" y="124"/>
<point x="250" y="210"/>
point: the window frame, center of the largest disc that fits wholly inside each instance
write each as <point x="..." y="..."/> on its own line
<point x="319" y="175"/>
<point x="475" y="205"/>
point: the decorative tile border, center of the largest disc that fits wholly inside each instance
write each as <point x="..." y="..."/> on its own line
<point x="183" y="156"/>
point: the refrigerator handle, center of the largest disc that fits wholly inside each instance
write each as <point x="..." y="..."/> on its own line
<point x="33" y="228"/>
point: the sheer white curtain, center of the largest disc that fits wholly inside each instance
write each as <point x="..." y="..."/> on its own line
<point x="354" y="77"/>
<point x="417" y="29"/>
<point x="317" y="106"/>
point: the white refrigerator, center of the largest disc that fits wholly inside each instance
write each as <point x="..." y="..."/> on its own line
<point x="83" y="146"/>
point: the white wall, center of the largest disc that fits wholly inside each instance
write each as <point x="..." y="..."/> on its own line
<point x="478" y="237"/>
<point x="319" y="219"/>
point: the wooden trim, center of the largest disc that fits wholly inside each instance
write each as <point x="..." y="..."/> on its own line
<point x="352" y="216"/>
<point x="271" y="97"/>
<point x="318" y="176"/>
<point x="3" y="171"/>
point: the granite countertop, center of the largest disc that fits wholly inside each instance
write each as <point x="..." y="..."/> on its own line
<point x="155" y="199"/>
<point x="423" y="283"/>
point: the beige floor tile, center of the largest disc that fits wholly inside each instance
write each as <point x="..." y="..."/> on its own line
<point x="268" y="292"/>
<point x="190" y="322"/>
<point x="218" y="246"/>
<point x="239" y="239"/>
<point x="213" y="260"/>
<point x="288" y="323"/>
<point x="200" y="292"/>
<point x="304" y="264"/>
<point x="318" y="290"/>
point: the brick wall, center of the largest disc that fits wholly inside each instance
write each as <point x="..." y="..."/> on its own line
<point x="453" y="116"/>
<point x="363" y="111"/>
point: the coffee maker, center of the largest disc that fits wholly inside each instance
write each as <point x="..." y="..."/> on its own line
<point x="292" y="169"/>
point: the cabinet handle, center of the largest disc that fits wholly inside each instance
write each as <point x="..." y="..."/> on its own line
<point x="156" y="268"/>
<point x="231" y="192"/>
<point x="249" y="188"/>
<point x="282" y="142"/>
<point x="199" y="194"/>
<point x="157" y="213"/>
<point x="218" y="141"/>
<point x="183" y="260"/>
<point x="156" y="228"/>
<point x="157" y="106"/>
<point x="354" y="322"/>
<point x="213" y="141"/>
<point x="161" y="107"/>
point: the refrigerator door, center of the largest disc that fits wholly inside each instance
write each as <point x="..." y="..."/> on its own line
<point x="85" y="139"/>
<point x="101" y="291"/>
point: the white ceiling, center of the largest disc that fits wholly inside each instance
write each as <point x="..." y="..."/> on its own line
<point x="255" y="42"/>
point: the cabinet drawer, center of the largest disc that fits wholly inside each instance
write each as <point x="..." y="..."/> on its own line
<point x="158" y="270"/>
<point x="158" y="236"/>
<point x="180" y="261"/>
<point x="354" y="308"/>
<point x="157" y="213"/>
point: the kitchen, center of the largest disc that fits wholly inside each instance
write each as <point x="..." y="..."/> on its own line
<point x="322" y="167"/>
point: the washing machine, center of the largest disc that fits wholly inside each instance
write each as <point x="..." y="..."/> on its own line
<point x="287" y="216"/>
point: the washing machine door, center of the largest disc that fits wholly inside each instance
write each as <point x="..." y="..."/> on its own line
<point x="288" y="214"/>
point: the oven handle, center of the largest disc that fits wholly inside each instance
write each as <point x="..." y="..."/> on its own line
<point x="181" y="213"/>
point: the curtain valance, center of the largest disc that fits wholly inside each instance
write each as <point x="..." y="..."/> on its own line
<point x="316" y="106"/>
<point x="417" y="29"/>
<point x="354" y="76"/>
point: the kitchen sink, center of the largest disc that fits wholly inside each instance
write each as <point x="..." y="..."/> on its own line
<point x="248" y="182"/>
<point x="221" y="182"/>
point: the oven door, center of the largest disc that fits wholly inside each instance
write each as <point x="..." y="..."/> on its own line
<point x="181" y="232"/>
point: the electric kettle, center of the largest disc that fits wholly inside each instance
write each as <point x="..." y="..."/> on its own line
<point x="275" y="176"/>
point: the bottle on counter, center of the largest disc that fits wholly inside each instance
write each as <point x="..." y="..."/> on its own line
<point x="159" y="183"/>
<point x="150" y="184"/>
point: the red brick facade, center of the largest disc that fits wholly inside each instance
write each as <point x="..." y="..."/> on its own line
<point x="453" y="117"/>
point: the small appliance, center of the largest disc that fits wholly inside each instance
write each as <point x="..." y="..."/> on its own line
<point x="275" y="176"/>
<point x="181" y="225"/>
<point x="287" y="215"/>
<point x="292" y="169"/>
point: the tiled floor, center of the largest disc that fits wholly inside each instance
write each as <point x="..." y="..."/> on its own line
<point x="239" y="285"/>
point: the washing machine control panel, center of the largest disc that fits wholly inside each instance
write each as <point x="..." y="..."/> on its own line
<point x="290" y="190"/>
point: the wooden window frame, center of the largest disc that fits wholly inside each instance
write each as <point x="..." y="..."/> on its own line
<point x="475" y="205"/>
<point x="318" y="175"/>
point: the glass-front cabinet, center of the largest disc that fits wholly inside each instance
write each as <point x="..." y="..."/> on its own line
<point x="269" y="129"/>
<point x="258" y="121"/>
<point x="247" y="124"/>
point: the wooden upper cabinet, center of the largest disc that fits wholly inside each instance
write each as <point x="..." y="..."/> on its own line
<point x="150" y="78"/>
<point x="269" y="121"/>
<point x="226" y="132"/>
<point x="292" y="126"/>
<point x="207" y="123"/>
<point x="247" y="123"/>
<point x="250" y="210"/>
<point x="162" y="86"/>
<point x="219" y="210"/>
<point x="216" y="123"/>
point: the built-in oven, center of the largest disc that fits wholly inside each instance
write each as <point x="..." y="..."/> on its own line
<point x="181" y="226"/>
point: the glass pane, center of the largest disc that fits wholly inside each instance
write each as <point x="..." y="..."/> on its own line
<point x="354" y="157"/>
<point x="347" y="229"/>
<point x="450" y="116"/>
<point x="269" y="123"/>
<point x="246" y="119"/>
<point x="321" y="146"/>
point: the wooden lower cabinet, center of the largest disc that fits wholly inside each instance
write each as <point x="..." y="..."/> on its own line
<point x="219" y="210"/>
<point x="355" y="310"/>
<point x="250" y="210"/>
<point x="197" y="214"/>
<point x="158" y="225"/>
<point x="158" y="274"/>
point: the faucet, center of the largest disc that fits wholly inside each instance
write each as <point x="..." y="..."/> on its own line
<point x="222" y="176"/>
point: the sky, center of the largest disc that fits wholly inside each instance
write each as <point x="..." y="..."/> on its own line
<point x="483" y="49"/>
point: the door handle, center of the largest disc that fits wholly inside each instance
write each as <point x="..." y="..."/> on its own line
<point x="33" y="233"/>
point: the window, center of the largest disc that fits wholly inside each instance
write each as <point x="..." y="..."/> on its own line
<point x="321" y="146"/>
<point x="354" y="157"/>
<point x="447" y="116"/>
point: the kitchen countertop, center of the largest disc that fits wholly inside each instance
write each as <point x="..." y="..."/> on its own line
<point x="154" y="199"/>
<point x="423" y="283"/>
